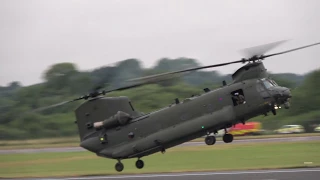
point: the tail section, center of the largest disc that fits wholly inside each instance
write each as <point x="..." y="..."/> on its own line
<point x="107" y="112"/>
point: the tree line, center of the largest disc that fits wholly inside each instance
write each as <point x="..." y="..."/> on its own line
<point x="64" y="81"/>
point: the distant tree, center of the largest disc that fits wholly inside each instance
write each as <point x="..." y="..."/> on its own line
<point x="284" y="82"/>
<point x="81" y="83"/>
<point x="57" y="76"/>
<point x="125" y="70"/>
<point x="60" y="70"/>
<point x="14" y="85"/>
<point x="166" y="64"/>
<point x="289" y="79"/>
<point x="65" y="82"/>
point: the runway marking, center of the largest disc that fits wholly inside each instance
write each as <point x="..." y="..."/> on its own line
<point x="190" y="143"/>
<point x="188" y="174"/>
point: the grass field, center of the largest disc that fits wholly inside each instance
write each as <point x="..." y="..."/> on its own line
<point x="200" y="158"/>
<point x="74" y="141"/>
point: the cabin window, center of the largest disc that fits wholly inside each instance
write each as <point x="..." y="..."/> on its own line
<point x="238" y="97"/>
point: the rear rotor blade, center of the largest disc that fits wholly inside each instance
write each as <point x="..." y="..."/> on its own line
<point x="58" y="104"/>
<point x="51" y="106"/>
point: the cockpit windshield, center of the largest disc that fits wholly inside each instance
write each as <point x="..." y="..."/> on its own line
<point x="273" y="82"/>
<point x="268" y="83"/>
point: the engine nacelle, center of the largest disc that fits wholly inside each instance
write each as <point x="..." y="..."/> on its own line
<point x="121" y="118"/>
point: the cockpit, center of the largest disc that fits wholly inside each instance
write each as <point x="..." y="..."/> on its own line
<point x="269" y="83"/>
<point x="269" y="88"/>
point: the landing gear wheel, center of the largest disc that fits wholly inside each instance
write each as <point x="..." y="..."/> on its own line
<point x="210" y="140"/>
<point x="139" y="164"/>
<point x="119" y="167"/>
<point x="227" y="138"/>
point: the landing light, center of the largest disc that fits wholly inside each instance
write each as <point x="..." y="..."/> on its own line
<point x="277" y="107"/>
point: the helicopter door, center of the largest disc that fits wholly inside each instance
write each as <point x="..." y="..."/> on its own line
<point x="238" y="97"/>
<point x="239" y="101"/>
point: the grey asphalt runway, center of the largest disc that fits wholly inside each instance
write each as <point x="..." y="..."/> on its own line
<point x="277" y="174"/>
<point x="235" y="141"/>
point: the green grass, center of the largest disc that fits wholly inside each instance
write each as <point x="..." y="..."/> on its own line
<point x="74" y="141"/>
<point x="201" y="158"/>
<point x="267" y="136"/>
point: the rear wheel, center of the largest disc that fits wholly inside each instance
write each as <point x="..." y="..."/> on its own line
<point x="139" y="164"/>
<point x="210" y="140"/>
<point x="119" y="167"/>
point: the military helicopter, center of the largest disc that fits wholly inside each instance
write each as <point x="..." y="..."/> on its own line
<point x="112" y="128"/>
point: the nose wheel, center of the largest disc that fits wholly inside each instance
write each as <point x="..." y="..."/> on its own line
<point x="227" y="138"/>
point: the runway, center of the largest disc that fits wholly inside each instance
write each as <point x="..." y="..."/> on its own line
<point x="235" y="141"/>
<point x="277" y="174"/>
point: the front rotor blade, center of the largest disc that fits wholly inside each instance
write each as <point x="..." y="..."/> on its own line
<point x="260" y="50"/>
<point x="141" y="83"/>
<point x="160" y="77"/>
<point x="295" y="49"/>
<point x="153" y="78"/>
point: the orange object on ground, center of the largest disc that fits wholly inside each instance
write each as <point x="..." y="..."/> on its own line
<point x="249" y="128"/>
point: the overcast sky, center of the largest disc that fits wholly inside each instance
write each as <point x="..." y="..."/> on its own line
<point x="35" y="34"/>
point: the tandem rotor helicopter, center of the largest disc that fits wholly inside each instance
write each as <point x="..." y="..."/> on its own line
<point x="110" y="127"/>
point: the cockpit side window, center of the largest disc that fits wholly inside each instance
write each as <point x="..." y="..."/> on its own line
<point x="268" y="83"/>
<point x="273" y="82"/>
<point x="261" y="87"/>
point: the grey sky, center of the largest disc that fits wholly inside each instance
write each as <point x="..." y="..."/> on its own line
<point x="35" y="34"/>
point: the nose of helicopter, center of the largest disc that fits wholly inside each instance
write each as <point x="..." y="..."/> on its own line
<point x="284" y="92"/>
<point x="281" y="95"/>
